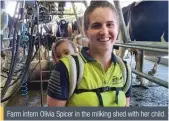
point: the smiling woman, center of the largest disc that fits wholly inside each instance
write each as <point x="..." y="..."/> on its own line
<point x="100" y="65"/>
<point x="101" y="29"/>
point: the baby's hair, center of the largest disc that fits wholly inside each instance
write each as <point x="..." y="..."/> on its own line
<point x="55" y="45"/>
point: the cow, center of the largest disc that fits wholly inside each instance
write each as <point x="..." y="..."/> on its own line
<point x="146" y="21"/>
<point x="63" y="29"/>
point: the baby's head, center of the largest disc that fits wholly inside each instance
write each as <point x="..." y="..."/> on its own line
<point x="62" y="48"/>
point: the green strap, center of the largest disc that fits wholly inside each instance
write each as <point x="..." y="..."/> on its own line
<point x="126" y="71"/>
<point x="73" y="75"/>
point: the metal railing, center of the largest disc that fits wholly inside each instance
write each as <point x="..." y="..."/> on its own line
<point x="147" y="48"/>
<point x="142" y="45"/>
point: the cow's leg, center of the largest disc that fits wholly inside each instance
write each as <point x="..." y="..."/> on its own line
<point x="46" y="54"/>
<point x="154" y="70"/>
<point x="3" y="59"/>
<point x="139" y="66"/>
<point x="36" y="53"/>
<point x="137" y="60"/>
<point x="121" y="52"/>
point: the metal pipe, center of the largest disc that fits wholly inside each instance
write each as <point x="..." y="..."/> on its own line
<point x="1" y="46"/>
<point x="70" y="38"/>
<point x="22" y="10"/>
<point x="13" y="20"/>
<point x="80" y="1"/>
<point x="141" y="60"/>
<point x="7" y="39"/>
<point x="5" y="49"/>
<point x="57" y="13"/>
<point x="85" y="3"/>
<point x="3" y="6"/>
<point x="163" y="51"/>
<point x="41" y="81"/>
<point x="161" y="45"/>
<point x="78" y="23"/>
<point x="123" y="29"/>
<point x="151" y="78"/>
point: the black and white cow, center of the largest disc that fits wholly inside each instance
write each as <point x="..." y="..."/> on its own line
<point x="147" y="21"/>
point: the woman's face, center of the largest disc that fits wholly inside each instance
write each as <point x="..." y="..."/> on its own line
<point x="64" y="49"/>
<point x="102" y="30"/>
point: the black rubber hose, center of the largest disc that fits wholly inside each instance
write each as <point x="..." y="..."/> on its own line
<point x="24" y="75"/>
<point x="14" y="92"/>
<point x="35" y="53"/>
<point x="15" y="80"/>
<point x="12" y="66"/>
<point x="12" y="62"/>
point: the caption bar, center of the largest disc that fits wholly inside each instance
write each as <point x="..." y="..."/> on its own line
<point x="109" y="113"/>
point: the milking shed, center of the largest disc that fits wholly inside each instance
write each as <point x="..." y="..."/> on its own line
<point x="29" y="28"/>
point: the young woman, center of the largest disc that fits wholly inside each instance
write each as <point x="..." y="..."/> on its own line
<point x="102" y="80"/>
